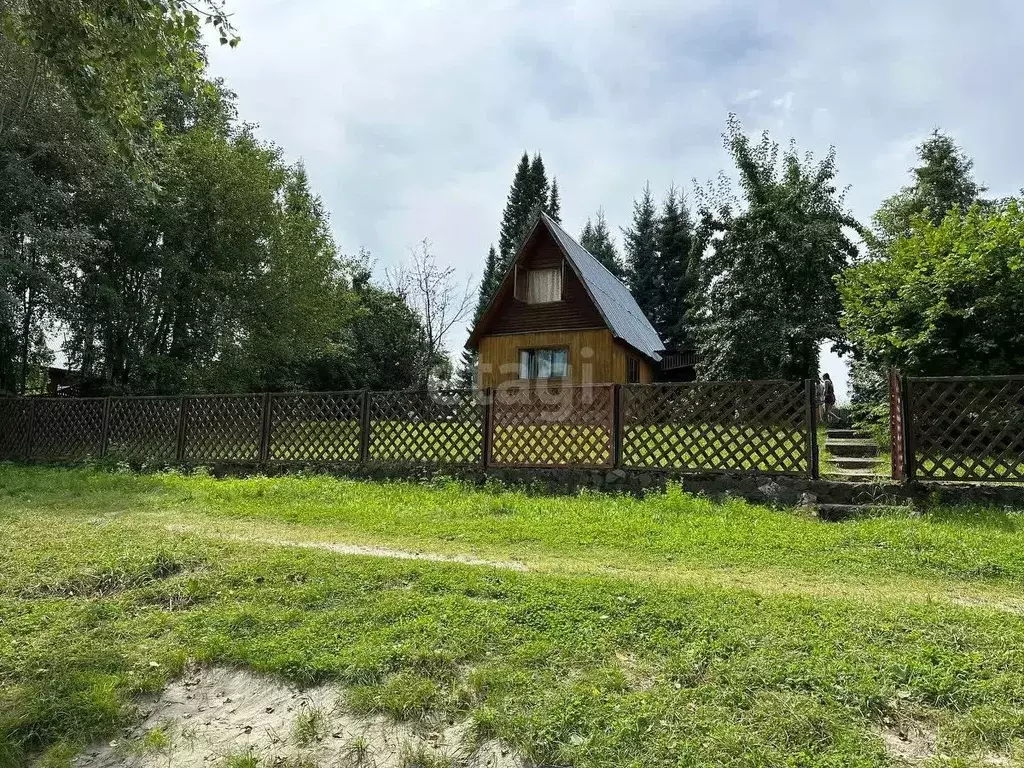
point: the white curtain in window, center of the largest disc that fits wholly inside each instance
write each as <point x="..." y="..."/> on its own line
<point x="545" y="285"/>
<point x="559" y="363"/>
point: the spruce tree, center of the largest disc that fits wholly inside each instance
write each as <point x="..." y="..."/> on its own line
<point x="539" y="188"/>
<point x="517" y="209"/>
<point x="554" y="207"/>
<point x="466" y="375"/>
<point x="537" y="197"/>
<point x="678" y="267"/>
<point x="944" y="180"/>
<point x="642" y="265"/>
<point x="489" y="283"/>
<point x="597" y="239"/>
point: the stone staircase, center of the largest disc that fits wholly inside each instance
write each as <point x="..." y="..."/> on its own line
<point x="853" y="458"/>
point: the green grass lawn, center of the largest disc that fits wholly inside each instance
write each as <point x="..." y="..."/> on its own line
<point x="668" y="631"/>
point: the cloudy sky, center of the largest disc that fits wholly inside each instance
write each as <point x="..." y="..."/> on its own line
<point x="411" y="115"/>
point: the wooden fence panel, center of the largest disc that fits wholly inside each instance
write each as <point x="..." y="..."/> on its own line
<point x="727" y="426"/>
<point x="967" y="428"/>
<point x="143" y="429"/>
<point x="319" y="427"/>
<point x="444" y="427"/>
<point x="15" y="420"/>
<point x="67" y="429"/>
<point x="553" y="426"/>
<point x="223" y="428"/>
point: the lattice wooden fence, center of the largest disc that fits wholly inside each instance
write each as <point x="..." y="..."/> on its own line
<point x="553" y="427"/>
<point x="434" y="428"/>
<point x="745" y="426"/>
<point x="966" y="428"/>
<point x="144" y="429"/>
<point x="741" y="426"/>
<point x="321" y="427"/>
<point x="222" y="428"/>
<point x="65" y="429"/>
<point x="15" y="427"/>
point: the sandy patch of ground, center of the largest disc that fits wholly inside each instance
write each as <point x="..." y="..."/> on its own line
<point x="909" y="742"/>
<point x="916" y="743"/>
<point x="356" y="549"/>
<point x="231" y="717"/>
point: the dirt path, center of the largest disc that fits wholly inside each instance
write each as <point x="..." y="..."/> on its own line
<point x="763" y="582"/>
<point x="354" y="549"/>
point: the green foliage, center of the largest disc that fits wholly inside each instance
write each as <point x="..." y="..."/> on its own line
<point x="640" y="244"/>
<point x="869" y="401"/>
<point x="770" y="295"/>
<point x="111" y="56"/>
<point x="596" y="237"/>
<point x="381" y="347"/>
<point x="947" y="298"/>
<point x="554" y="207"/>
<point x="198" y="261"/>
<point x="678" y="285"/>
<point x="942" y="181"/>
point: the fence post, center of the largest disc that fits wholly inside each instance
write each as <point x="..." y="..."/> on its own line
<point x="364" y="427"/>
<point x="182" y="415"/>
<point x="265" y="429"/>
<point x="105" y="429"/>
<point x="488" y="426"/>
<point x="616" y="425"/>
<point x="813" y="469"/>
<point x="909" y="447"/>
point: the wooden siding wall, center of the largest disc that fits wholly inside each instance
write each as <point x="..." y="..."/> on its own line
<point x="595" y="357"/>
<point x="576" y="310"/>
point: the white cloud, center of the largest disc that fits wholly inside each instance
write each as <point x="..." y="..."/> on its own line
<point x="411" y="114"/>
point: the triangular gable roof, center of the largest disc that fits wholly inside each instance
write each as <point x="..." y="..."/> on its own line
<point x="613" y="300"/>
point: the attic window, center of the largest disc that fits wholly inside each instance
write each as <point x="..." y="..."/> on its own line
<point x="541" y="286"/>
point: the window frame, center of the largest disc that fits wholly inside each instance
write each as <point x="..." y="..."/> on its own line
<point x="632" y="369"/>
<point x="521" y="283"/>
<point x="534" y="364"/>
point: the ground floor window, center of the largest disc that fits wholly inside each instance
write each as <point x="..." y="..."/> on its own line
<point x="632" y="370"/>
<point x="543" y="363"/>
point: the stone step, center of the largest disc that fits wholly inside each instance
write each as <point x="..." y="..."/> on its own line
<point x="855" y="475"/>
<point x="856" y="462"/>
<point x="852" y="447"/>
<point x="841" y="434"/>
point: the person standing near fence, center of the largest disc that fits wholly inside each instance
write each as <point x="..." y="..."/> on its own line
<point x="828" y="399"/>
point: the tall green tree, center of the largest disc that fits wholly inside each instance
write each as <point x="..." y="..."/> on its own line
<point x="678" y="268"/>
<point x="111" y="54"/>
<point x="381" y="346"/>
<point x="947" y="298"/>
<point x="517" y="210"/>
<point x="642" y="265"/>
<point x="50" y="155"/>
<point x="466" y="374"/>
<point x="597" y="238"/>
<point x="771" y="297"/>
<point x="554" y="207"/>
<point x="942" y="181"/>
<point x="529" y="194"/>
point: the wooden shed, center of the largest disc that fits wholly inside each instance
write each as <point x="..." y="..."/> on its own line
<point x="559" y="316"/>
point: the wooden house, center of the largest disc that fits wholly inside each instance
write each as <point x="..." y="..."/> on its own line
<point x="560" y="317"/>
